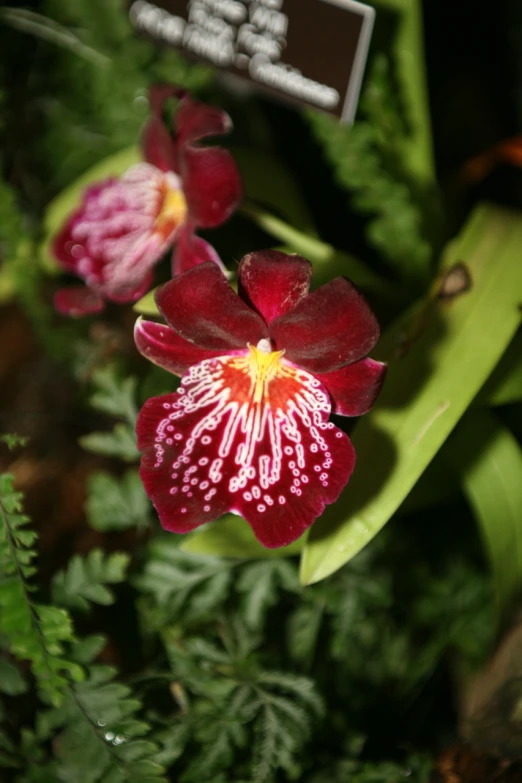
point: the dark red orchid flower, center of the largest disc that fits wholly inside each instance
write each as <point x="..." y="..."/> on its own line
<point x="125" y="225"/>
<point x="248" y="429"/>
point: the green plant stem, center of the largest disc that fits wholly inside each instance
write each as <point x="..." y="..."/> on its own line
<point x="319" y="252"/>
<point x="42" y="27"/>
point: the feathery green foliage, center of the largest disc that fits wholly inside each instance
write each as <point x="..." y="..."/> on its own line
<point x="99" y="730"/>
<point x="96" y="724"/>
<point x="365" y="162"/>
<point x="86" y="578"/>
<point x="178" y="584"/>
<point x="85" y="125"/>
<point x="116" y="504"/>
<point x="239" y="703"/>
<point x="242" y="638"/>
<point x="36" y="632"/>
<point x="115" y="396"/>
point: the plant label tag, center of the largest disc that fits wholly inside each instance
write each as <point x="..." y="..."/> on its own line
<point x="310" y="51"/>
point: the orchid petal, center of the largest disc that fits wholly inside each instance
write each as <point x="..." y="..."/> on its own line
<point x="211" y="180"/>
<point x="329" y="328"/>
<point x="132" y="292"/>
<point x="157" y="145"/>
<point x="201" y="306"/>
<point x="191" y="250"/>
<point x="160" y="344"/>
<point x="211" y="184"/>
<point x="194" y="121"/>
<point x="156" y="142"/>
<point x="66" y="247"/>
<point x="273" y="283"/>
<point x="247" y="434"/>
<point x="354" y="388"/>
<point x="160" y="93"/>
<point x="77" y="301"/>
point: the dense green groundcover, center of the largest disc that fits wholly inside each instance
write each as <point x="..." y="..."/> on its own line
<point x="155" y="657"/>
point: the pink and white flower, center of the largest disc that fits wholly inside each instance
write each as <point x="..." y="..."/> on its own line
<point x="126" y="224"/>
<point x="262" y="370"/>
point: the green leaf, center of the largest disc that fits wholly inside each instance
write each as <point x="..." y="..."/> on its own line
<point x="410" y="66"/>
<point x="231" y="536"/>
<point x="436" y="487"/>
<point x="97" y="735"/>
<point x="69" y="199"/>
<point x="172" y="742"/>
<point x="116" y="504"/>
<point x="147" y="304"/>
<point x="447" y="354"/>
<point x="259" y="584"/>
<point x="49" y="30"/>
<point x="504" y="387"/>
<point x="12" y="440"/>
<point x="33" y="632"/>
<point x="180" y="581"/>
<point x="85" y="579"/>
<point x="373" y="161"/>
<point x="114" y="395"/>
<point x="303" y="631"/>
<point x="121" y="443"/>
<point x="488" y="461"/>
<point x="218" y="755"/>
<point x="11" y="681"/>
<point x="88" y="648"/>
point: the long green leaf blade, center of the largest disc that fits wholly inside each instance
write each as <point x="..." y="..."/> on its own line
<point x="453" y="347"/>
<point x="505" y="384"/>
<point x="488" y="461"/>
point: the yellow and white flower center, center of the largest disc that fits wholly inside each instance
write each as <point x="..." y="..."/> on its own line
<point x="264" y="365"/>
<point x="172" y="210"/>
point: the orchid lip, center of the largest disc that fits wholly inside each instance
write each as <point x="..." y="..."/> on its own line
<point x="249" y="433"/>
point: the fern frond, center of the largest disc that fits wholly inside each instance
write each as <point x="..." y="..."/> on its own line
<point x="116" y="504"/>
<point x="100" y="737"/>
<point x="180" y="581"/>
<point x="35" y="632"/>
<point x="114" y="395"/>
<point x="259" y="583"/>
<point x="86" y="578"/>
<point x="121" y="443"/>
<point x="366" y="161"/>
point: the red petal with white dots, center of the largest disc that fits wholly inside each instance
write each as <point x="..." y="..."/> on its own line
<point x="248" y="434"/>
